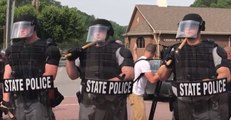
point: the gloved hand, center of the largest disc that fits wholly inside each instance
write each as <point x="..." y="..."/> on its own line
<point x="74" y="53"/>
<point x="4" y="106"/>
<point x="168" y="57"/>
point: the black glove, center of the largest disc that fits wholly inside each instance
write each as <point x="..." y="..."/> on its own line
<point x="74" y="53"/>
<point x="168" y="57"/>
<point x="5" y="106"/>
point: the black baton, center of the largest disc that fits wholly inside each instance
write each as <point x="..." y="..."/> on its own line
<point x="155" y="100"/>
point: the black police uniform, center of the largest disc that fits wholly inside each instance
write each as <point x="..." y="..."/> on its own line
<point x="104" y="62"/>
<point x="195" y="63"/>
<point x="26" y="61"/>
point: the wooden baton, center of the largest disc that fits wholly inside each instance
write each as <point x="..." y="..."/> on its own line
<point x="83" y="47"/>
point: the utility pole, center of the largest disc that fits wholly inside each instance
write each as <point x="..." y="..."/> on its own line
<point x="9" y="20"/>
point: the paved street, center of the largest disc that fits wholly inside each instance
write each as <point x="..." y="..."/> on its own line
<point x="68" y="110"/>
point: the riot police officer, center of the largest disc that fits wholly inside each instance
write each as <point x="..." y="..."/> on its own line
<point x="106" y="60"/>
<point x="29" y="57"/>
<point x="196" y="63"/>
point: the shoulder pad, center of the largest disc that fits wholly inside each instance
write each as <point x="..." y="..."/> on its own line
<point x="221" y="52"/>
<point x="125" y="52"/>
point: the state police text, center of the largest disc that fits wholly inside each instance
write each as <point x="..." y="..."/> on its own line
<point x="25" y="84"/>
<point x="202" y="88"/>
<point x="109" y="87"/>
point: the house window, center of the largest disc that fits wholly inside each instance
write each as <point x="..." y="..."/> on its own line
<point x="140" y="42"/>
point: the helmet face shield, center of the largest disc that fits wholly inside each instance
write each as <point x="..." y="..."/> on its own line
<point x="22" y="29"/>
<point x="97" y="33"/>
<point x="188" y="29"/>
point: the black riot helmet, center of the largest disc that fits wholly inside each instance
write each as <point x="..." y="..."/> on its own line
<point x="190" y="21"/>
<point x="105" y="23"/>
<point x="28" y="23"/>
<point x="195" y="17"/>
<point x="100" y="25"/>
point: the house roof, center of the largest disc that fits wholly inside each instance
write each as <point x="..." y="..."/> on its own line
<point x="165" y="19"/>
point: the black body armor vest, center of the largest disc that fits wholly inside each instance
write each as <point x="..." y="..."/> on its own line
<point x="195" y="62"/>
<point x="100" y="62"/>
<point x="28" y="60"/>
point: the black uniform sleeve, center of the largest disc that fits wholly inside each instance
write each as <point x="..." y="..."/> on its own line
<point x="53" y="55"/>
<point x="124" y="57"/>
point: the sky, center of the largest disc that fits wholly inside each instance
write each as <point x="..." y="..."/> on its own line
<point x="119" y="11"/>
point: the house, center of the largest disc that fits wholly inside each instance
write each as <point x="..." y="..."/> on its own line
<point x="158" y="25"/>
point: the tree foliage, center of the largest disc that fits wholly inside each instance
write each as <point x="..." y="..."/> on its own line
<point x="67" y="26"/>
<point x="2" y="19"/>
<point x="2" y="12"/>
<point x="25" y="9"/>
<point x="212" y="3"/>
<point x="120" y="30"/>
<point x="41" y="2"/>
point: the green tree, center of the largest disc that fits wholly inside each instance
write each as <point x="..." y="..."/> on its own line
<point x="212" y="3"/>
<point x="61" y="24"/>
<point x="119" y="31"/>
<point x="3" y="5"/>
<point x="22" y="2"/>
<point x="25" y="9"/>
<point x="67" y="26"/>
<point x="41" y="2"/>
<point x="223" y="4"/>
